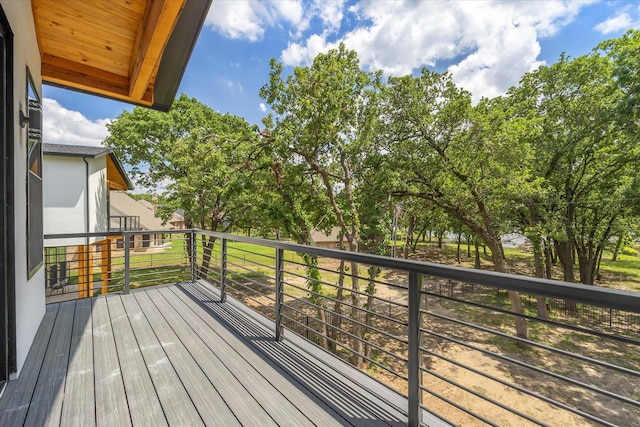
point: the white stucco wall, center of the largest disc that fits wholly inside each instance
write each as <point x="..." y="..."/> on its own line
<point x="30" y="302"/>
<point x="64" y="198"/>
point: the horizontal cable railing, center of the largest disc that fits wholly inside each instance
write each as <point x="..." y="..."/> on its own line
<point x="444" y="336"/>
<point x="83" y="265"/>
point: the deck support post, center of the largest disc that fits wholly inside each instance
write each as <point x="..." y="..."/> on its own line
<point x="127" y="263"/>
<point x="223" y="270"/>
<point x="415" y="393"/>
<point x="279" y="292"/>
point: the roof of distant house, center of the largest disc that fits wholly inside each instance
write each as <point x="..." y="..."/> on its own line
<point x="319" y="236"/>
<point x="116" y="176"/>
<point x="121" y="204"/>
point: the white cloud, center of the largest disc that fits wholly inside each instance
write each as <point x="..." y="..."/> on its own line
<point x="262" y="107"/>
<point x="621" y="21"/>
<point x="248" y="19"/>
<point x="62" y="126"/>
<point x="491" y="43"/>
<point x="232" y="86"/>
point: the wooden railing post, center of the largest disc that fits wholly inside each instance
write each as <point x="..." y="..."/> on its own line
<point x="223" y="271"/>
<point x="279" y="292"/>
<point x="415" y="392"/>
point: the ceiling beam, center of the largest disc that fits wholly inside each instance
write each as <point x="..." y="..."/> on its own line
<point x="83" y="77"/>
<point x="157" y="24"/>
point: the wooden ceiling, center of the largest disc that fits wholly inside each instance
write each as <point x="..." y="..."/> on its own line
<point x="111" y="48"/>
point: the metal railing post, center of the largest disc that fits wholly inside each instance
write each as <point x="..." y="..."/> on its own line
<point x="223" y="271"/>
<point x="127" y="263"/>
<point x="279" y="292"/>
<point x="415" y="393"/>
<point x="194" y="254"/>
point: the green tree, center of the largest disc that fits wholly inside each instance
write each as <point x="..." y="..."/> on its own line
<point x="581" y="157"/>
<point x="456" y="156"/>
<point x="322" y="117"/>
<point x="195" y="157"/>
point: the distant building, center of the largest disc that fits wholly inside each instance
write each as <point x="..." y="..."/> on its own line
<point x="136" y="215"/>
<point x="331" y="240"/>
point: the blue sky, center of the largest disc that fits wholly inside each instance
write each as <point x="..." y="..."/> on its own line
<point x="486" y="46"/>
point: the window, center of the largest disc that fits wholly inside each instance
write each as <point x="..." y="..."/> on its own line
<point x="35" y="239"/>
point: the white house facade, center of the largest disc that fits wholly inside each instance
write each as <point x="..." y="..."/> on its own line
<point x="77" y="181"/>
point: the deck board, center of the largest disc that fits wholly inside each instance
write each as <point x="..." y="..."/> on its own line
<point x="343" y="395"/>
<point x="252" y="379"/>
<point x="17" y="395"/>
<point x="79" y="404"/>
<point x="112" y="409"/>
<point x="144" y="405"/>
<point x="178" y="407"/>
<point x="235" y="396"/>
<point x="270" y="374"/>
<point x="46" y="404"/>
<point x="174" y="355"/>
<point x="205" y="397"/>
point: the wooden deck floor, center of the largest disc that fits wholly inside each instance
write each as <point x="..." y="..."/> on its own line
<point x="175" y="356"/>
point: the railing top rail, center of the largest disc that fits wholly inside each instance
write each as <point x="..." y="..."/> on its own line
<point x="111" y="233"/>
<point x="593" y="295"/>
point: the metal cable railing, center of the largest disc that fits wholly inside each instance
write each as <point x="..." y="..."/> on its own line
<point x="454" y="354"/>
<point x="443" y="336"/>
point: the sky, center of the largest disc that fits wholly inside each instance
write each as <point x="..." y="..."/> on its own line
<point x="486" y="45"/>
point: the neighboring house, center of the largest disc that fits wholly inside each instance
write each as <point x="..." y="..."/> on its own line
<point x="76" y="183"/>
<point x="69" y="44"/>
<point x="331" y="240"/>
<point x="177" y="221"/>
<point x="139" y="212"/>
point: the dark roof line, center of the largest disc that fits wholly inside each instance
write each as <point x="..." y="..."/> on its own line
<point x="76" y="150"/>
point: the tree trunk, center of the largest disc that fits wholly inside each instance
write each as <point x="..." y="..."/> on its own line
<point x="336" y="320"/>
<point x="314" y="284"/>
<point x="477" y="254"/>
<point x="617" y="248"/>
<point x="409" y="239"/>
<point x="458" y="248"/>
<point x="371" y="290"/>
<point x="356" y="357"/>
<point x="497" y="256"/>
<point x="538" y="262"/>
<point x="468" y="237"/>
<point x="564" y="251"/>
<point x="548" y="260"/>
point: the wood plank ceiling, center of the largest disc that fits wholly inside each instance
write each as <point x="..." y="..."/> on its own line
<point x="111" y="48"/>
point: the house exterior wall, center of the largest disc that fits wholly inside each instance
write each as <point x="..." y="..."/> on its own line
<point x="65" y="203"/>
<point x="30" y="298"/>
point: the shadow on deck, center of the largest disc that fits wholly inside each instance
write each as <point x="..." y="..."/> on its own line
<point x="175" y="355"/>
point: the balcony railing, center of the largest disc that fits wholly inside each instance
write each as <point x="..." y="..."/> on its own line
<point x="124" y="223"/>
<point x="443" y="336"/>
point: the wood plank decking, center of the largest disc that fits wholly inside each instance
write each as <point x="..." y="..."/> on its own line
<point x="174" y="355"/>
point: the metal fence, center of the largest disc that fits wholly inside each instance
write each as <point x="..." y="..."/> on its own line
<point x="453" y="350"/>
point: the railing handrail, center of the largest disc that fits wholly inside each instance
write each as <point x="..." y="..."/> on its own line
<point x="617" y="299"/>
<point x="113" y="233"/>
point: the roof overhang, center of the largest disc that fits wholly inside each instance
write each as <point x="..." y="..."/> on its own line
<point x="134" y="51"/>
<point x="117" y="178"/>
